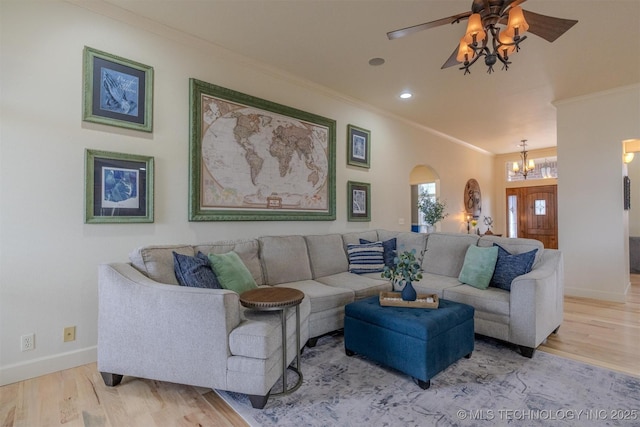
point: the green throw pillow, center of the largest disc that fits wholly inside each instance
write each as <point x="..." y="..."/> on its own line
<point x="478" y="267"/>
<point x="232" y="273"/>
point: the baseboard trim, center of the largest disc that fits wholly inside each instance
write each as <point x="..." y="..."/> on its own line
<point x="600" y="295"/>
<point x="46" y="365"/>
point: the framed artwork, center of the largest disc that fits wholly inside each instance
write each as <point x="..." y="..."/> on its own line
<point x="252" y="159"/>
<point x="358" y="146"/>
<point x="117" y="91"/>
<point x="118" y="187"/>
<point x="359" y="201"/>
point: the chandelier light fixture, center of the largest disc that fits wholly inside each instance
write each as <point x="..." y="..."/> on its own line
<point x="484" y="37"/>
<point x="527" y="165"/>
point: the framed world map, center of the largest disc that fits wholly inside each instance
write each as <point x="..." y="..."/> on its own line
<point x="254" y="160"/>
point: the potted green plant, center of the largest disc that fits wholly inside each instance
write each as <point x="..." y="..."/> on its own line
<point x="432" y="208"/>
<point x="406" y="268"/>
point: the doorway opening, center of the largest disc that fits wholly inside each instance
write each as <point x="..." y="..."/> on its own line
<point x="424" y="180"/>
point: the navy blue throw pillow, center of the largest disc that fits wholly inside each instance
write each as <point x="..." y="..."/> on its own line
<point x="509" y="266"/>
<point x="195" y="271"/>
<point x="389" y="253"/>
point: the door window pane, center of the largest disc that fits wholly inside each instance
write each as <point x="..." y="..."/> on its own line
<point x="512" y="203"/>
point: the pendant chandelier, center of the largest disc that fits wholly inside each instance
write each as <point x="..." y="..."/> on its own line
<point x="503" y="42"/>
<point x="527" y="165"/>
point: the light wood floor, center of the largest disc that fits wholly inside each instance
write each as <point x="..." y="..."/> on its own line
<point x="600" y="333"/>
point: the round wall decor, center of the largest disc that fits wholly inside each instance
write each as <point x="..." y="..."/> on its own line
<point x="473" y="198"/>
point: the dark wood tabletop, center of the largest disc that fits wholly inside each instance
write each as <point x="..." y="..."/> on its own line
<point x="271" y="298"/>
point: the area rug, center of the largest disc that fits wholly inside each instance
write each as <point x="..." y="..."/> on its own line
<point x="496" y="386"/>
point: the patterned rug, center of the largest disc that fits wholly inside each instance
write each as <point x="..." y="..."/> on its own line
<point x="496" y="386"/>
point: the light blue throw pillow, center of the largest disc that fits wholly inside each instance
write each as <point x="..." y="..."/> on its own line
<point x="478" y="267"/>
<point x="510" y="266"/>
<point x="366" y="258"/>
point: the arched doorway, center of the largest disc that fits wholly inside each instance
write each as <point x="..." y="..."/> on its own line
<point x="423" y="179"/>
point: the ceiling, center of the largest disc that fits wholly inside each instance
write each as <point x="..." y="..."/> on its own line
<point x="330" y="43"/>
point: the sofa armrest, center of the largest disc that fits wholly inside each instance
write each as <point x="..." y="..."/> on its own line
<point x="537" y="301"/>
<point x="165" y="332"/>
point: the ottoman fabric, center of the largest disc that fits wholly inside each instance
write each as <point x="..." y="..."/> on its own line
<point x="419" y="342"/>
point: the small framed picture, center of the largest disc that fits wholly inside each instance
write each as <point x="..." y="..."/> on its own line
<point x="118" y="187"/>
<point x="358" y="146"/>
<point x="359" y="201"/>
<point x="117" y="91"/>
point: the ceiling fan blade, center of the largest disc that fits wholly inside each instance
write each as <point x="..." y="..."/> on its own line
<point x="453" y="60"/>
<point x="547" y="27"/>
<point x="410" y="30"/>
<point x="512" y="3"/>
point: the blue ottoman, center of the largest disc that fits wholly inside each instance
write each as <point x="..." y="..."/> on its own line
<point x="416" y="341"/>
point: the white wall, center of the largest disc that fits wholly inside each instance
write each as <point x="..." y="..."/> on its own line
<point x="49" y="257"/>
<point x="593" y="226"/>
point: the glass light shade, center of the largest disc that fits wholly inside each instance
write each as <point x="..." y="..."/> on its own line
<point x="475" y="28"/>
<point x="504" y="37"/>
<point x="531" y="165"/>
<point x="516" y="167"/>
<point x="628" y="157"/>
<point x="516" y="20"/>
<point x="465" y="53"/>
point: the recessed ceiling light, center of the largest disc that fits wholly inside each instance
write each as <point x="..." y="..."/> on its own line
<point x="406" y="95"/>
<point x="376" y="61"/>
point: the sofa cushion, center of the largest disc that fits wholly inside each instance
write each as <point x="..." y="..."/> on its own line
<point x="361" y="285"/>
<point x="446" y="251"/>
<point x="231" y="272"/>
<point x="354" y="238"/>
<point x="514" y="246"/>
<point x="509" y="266"/>
<point x="247" y="249"/>
<point x="365" y="258"/>
<point x="195" y="272"/>
<point x="156" y="262"/>
<point x="434" y="284"/>
<point x="479" y="265"/>
<point x="322" y="297"/>
<point x="406" y="241"/>
<point x="490" y="300"/>
<point x="259" y="334"/>
<point x="285" y="259"/>
<point x="389" y="253"/>
<point x="326" y="254"/>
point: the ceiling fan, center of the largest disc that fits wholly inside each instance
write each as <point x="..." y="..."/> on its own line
<point x="502" y="21"/>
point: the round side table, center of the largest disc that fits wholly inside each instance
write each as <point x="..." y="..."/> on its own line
<point x="279" y="299"/>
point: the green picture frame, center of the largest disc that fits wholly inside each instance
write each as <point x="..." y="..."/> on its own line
<point x="255" y="160"/>
<point x="358" y="146"/>
<point x="117" y="91"/>
<point x="118" y="187"/>
<point x="358" y="201"/>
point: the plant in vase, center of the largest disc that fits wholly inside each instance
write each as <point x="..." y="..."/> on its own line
<point x="432" y="209"/>
<point x="406" y="268"/>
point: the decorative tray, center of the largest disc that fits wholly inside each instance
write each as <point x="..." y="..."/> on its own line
<point x="394" y="299"/>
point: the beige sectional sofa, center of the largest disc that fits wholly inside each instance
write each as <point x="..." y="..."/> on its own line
<point x="150" y="327"/>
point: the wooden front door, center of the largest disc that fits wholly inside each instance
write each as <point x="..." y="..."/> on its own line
<point x="532" y="212"/>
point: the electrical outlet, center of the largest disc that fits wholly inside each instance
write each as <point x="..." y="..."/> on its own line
<point x="27" y="342"/>
<point x="69" y="333"/>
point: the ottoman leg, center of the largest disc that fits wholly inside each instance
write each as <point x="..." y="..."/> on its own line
<point x="422" y="384"/>
<point x="468" y="356"/>
<point x="348" y="352"/>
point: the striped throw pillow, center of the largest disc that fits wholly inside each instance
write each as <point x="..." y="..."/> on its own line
<point x="366" y="258"/>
